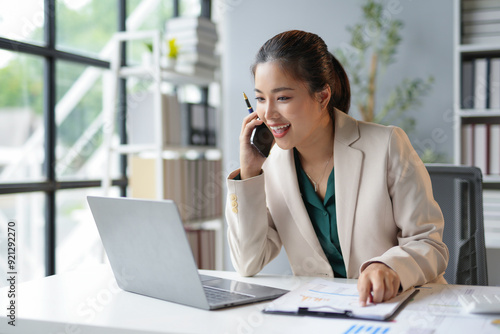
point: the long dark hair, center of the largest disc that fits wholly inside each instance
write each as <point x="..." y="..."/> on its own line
<point x="305" y="57"/>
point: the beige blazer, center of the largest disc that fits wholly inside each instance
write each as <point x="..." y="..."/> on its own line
<point x="386" y="211"/>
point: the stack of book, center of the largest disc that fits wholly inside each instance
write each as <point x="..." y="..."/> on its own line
<point x="195" y="185"/>
<point x="141" y="119"/>
<point x="480" y="21"/>
<point x="196" y="38"/>
<point x="480" y="83"/>
<point x="491" y="204"/>
<point x="481" y="147"/>
<point x="202" y="244"/>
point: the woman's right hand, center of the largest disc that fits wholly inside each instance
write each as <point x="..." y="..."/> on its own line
<point x="251" y="160"/>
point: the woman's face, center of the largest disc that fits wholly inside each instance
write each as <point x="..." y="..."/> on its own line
<point x="295" y="118"/>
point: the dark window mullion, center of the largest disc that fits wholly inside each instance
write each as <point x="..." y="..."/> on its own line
<point x="122" y="96"/>
<point x="50" y="139"/>
<point x="206" y="8"/>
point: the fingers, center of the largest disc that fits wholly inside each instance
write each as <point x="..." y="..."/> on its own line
<point x="250" y="160"/>
<point x="377" y="283"/>
<point x="249" y="122"/>
<point x="364" y="289"/>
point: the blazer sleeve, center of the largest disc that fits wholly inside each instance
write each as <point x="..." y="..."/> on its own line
<point x="252" y="235"/>
<point x="421" y="255"/>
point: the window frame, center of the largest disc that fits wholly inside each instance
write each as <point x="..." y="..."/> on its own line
<point x="51" y="185"/>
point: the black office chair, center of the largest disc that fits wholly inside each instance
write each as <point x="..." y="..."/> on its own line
<point x="458" y="191"/>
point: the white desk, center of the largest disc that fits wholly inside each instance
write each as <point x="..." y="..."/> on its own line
<point x="89" y="301"/>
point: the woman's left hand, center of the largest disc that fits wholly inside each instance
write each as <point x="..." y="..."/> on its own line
<point x="377" y="283"/>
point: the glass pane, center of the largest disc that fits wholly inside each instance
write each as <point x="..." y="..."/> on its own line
<point x="27" y="211"/>
<point x="86" y="26"/>
<point x="22" y="20"/>
<point x="79" y="150"/>
<point x="21" y="117"/>
<point x="190" y="8"/>
<point x="143" y="16"/>
<point x="77" y="240"/>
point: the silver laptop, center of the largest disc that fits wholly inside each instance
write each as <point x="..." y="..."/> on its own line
<point x="150" y="255"/>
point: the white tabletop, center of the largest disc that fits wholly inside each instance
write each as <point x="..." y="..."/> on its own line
<point x="89" y="301"/>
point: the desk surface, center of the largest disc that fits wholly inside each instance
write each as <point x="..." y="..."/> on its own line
<point x="89" y="301"/>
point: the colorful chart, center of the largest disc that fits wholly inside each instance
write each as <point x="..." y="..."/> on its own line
<point x="367" y="329"/>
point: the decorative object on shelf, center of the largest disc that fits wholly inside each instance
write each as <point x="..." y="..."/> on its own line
<point x="373" y="47"/>
<point x="196" y="38"/>
<point x="173" y="53"/>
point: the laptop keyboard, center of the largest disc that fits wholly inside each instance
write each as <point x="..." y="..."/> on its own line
<point x="216" y="296"/>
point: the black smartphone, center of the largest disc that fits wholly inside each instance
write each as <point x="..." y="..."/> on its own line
<point x="262" y="139"/>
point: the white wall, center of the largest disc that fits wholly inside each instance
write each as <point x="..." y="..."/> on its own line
<point x="426" y="49"/>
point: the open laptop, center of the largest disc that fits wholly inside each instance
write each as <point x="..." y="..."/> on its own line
<point x="150" y="255"/>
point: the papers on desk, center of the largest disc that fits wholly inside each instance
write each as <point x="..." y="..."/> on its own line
<point x="331" y="299"/>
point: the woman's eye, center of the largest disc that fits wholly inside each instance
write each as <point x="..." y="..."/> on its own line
<point x="283" y="98"/>
<point x="259" y="99"/>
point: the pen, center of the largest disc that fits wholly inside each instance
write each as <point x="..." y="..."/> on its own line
<point x="250" y="109"/>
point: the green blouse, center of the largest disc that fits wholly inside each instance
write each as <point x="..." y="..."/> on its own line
<point x="323" y="216"/>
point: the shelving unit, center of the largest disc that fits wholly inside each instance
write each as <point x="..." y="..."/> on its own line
<point x="463" y="52"/>
<point x="491" y="183"/>
<point x="157" y="150"/>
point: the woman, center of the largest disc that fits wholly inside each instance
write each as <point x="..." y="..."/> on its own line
<point x="345" y="198"/>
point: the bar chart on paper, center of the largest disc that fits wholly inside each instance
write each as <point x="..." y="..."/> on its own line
<point x="367" y="329"/>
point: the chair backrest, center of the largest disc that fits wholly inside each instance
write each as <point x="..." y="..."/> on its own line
<point x="458" y="191"/>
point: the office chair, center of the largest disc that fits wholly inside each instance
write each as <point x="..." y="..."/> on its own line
<point x="458" y="191"/>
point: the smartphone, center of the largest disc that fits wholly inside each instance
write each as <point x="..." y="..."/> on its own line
<point x="262" y="139"/>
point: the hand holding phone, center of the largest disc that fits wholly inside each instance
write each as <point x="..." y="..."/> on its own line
<point x="261" y="139"/>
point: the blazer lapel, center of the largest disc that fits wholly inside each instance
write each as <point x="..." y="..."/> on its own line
<point x="348" y="162"/>
<point x="293" y="198"/>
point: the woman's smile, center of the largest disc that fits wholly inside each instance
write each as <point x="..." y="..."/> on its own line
<point x="279" y="130"/>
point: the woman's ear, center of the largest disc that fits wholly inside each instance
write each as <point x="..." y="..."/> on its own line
<point x="324" y="96"/>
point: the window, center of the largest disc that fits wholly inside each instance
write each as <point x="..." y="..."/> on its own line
<point x="54" y="55"/>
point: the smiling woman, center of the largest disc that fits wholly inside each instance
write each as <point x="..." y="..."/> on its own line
<point x="345" y="198"/>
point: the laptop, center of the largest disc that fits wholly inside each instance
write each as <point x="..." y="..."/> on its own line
<point x="150" y="255"/>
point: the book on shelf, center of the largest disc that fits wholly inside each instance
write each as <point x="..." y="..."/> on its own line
<point x="480" y="145"/>
<point x="481" y="15"/>
<point x="187" y="23"/>
<point x="196" y="70"/>
<point x="479" y="29"/>
<point x="201" y="124"/>
<point x="195" y="185"/>
<point x="480" y="83"/>
<point x="480" y="22"/>
<point x="481" y="39"/>
<point x="494" y="83"/>
<point x="202" y="244"/>
<point x="467" y="87"/>
<point x="197" y="39"/>
<point x="193" y="36"/>
<point x="199" y="58"/>
<point x="494" y="153"/>
<point x="480" y="4"/>
<point x="141" y="119"/>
